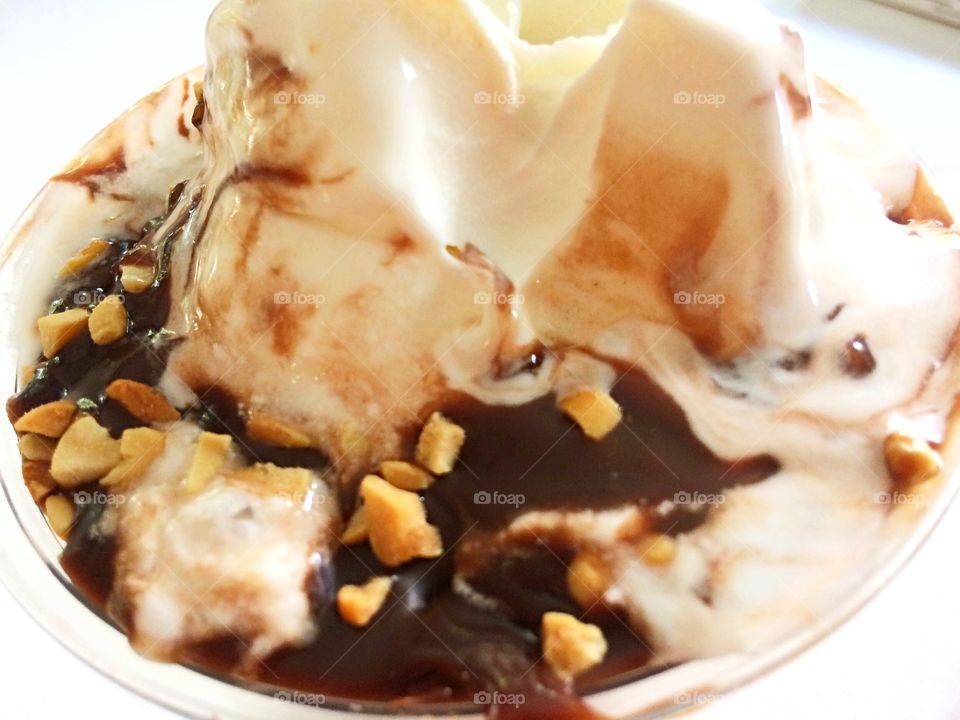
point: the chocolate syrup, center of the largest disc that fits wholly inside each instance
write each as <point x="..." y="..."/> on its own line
<point x="432" y="642"/>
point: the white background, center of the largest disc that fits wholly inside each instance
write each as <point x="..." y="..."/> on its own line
<point x="67" y="67"/>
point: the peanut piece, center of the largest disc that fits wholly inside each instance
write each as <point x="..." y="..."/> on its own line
<point x="108" y="321"/>
<point x="657" y="549"/>
<point x="139" y="447"/>
<point x="86" y="452"/>
<point x="292" y="484"/>
<point x="275" y="432"/>
<point x="358" y="604"/>
<point x="571" y="646"/>
<point x="208" y="457"/>
<point x="34" y="447"/>
<point x="594" y="411"/>
<point x="439" y="444"/>
<point x="36" y="476"/>
<point x="136" y="278"/>
<point x="405" y="476"/>
<point x="84" y="257"/>
<point x="588" y="578"/>
<point x="357" y="529"/>
<point x="142" y="401"/>
<point x="399" y="531"/>
<point x="51" y="419"/>
<point x="60" y="328"/>
<point x="60" y="515"/>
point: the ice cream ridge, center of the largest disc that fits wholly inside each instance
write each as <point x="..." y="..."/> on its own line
<point x="434" y="348"/>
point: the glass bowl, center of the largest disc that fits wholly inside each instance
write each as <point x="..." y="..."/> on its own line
<point x="30" y="569"/>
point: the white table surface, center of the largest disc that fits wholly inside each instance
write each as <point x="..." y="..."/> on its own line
<point x="67" y="67"/>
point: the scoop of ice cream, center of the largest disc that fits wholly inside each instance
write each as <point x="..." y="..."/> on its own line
<point x="394" y="210"/>
<point x="229" y="559"/>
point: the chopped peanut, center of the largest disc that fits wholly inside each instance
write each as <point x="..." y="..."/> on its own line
<point x="275" y="432"/>
<point x="357" y="529"/>
<point x="86" y="452"/>
<point x="398" y="523"/>
<point x="359" y="603"/>
<point x="910" y="460"/>
<point x="142" y="401"/>
<point x="50" y="420"/>
<point x="60" y="328"/>
<point x="136" y="278"/>
<point x="405" y="476"/>
<point x="84" y="257"/>
<point x="36" y="476"/>
<point x="268" y="479"/>
<point x="139" y="447"/>
<point x="208" y="457"/>
<point x="571" y="646"/>
<point x="657" y="549"/>
<point x="108" y="321"/>
<point x="594" y="411"/>
<point x="439" y="444"/>
<point x="35" y="447"/>
<point x="60" y="515"/>
<point x="588" y="578"/>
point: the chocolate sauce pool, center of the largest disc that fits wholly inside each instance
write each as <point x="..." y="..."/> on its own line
<point x="429" y="644"/>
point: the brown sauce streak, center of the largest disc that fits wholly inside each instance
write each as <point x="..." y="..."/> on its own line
<point x="800" y="105"/>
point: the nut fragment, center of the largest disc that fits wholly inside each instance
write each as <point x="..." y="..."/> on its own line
<point x="398" y="523"/>
<point x="36" y="476"/>
<point x="142" y="401"/>
<point x="108" y="321"/>
<point x="357" y="529"/>
<point x="571" y="646"/>
<point x="136" y="278"/>
<point x="657" y="549"/>
<point x="910" y="460"/>
<point x="594" y="411"/>
<point x="60" y="515"/>
<point x="84" y="257"/>
<point x="58" y="329"/>
<point x="51" y="419"/>
<point x="405" y="476"/>
<point x="588" y="578"/>
<point x="138" y="448"/>
<point x="275" y="432"/>
<point x="292" y="484"/>
<point x="359" y="603"/>
<point x="208" y="457"/>
<point x="35" y="447"/>
<point x="86" y="452"/>
<point x="439" y="444"/>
